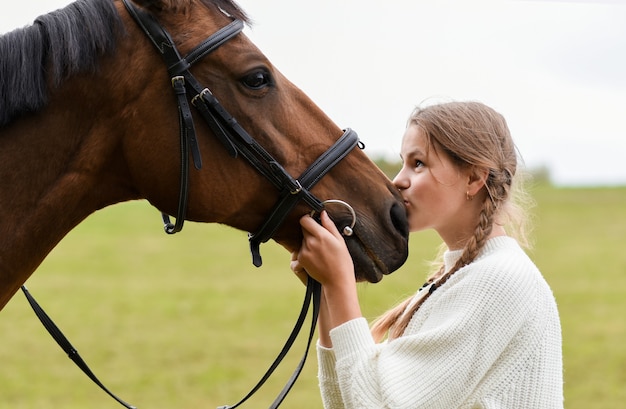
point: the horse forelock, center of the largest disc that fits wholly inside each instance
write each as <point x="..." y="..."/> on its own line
<point x="58" y="45"/>
<point x="228" y="7"/>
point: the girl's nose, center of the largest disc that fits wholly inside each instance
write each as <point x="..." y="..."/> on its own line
<point x="401" y="181"/>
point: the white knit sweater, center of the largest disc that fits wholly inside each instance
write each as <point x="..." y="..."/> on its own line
<point x="490" y="337"/>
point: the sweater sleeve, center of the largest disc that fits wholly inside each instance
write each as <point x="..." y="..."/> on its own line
<point x="327" y="377"/>
<point x="451" y="343"/>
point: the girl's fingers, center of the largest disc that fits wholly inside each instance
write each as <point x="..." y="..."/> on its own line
<point x="329" y="224"/>
<point x="308" y="224"/>
<point x="297" y="268"/>
<point x="295" y="264"/>
<point x="311" y="226"/>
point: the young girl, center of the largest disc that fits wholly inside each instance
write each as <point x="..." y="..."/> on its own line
<point x="484" y="330"/>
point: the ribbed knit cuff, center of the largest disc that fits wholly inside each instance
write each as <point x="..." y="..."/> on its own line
<point x="326" y="363"/>
<point x="351" y="337"/>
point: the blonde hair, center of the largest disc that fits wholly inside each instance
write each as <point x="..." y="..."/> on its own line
<point x="472" y="135"/>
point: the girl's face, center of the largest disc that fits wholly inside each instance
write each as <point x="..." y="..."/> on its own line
<point x="433" y="187"/>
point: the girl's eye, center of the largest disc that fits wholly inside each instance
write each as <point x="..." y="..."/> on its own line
<point x="257" y="80"/>
<point x="418" y="164"/>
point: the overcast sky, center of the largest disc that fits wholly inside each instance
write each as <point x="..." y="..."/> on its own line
<point x="555" y="69"/>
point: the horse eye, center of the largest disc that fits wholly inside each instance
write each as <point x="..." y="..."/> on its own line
<point x="257" y="80"/>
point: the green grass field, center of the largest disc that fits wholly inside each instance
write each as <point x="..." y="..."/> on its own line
<point x="186" y="321"/>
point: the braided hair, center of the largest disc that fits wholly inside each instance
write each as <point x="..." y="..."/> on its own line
<point x="472" y="135"/>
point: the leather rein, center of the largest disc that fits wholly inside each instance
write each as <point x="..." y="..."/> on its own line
<point x="237" y="143"/>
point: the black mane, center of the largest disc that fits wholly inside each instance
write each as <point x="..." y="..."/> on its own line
<point x="63" y="43"/>
<point x="57" y="46"/>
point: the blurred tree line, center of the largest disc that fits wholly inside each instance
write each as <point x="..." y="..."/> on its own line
<point x="389" y="167"/>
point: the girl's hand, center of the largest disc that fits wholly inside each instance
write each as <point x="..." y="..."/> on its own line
<point x="297" y="268"/>
<point x="324" y="254"/>
<point x="325" y="257"/>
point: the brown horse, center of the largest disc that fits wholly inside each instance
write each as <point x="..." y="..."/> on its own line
<point x="88" y="119"/>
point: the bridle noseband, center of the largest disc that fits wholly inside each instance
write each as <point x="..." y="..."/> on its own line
<point x="237" y="142"/>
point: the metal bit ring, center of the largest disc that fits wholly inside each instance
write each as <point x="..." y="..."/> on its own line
<point x="347" y="230"/>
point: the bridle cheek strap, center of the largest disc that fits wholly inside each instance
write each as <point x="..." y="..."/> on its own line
<point x="188" y="141"/>
<point x="182" y="80"/>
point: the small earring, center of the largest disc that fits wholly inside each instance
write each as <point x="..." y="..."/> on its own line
<point x="467" y="196"/>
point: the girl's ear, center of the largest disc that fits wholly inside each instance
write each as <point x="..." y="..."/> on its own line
<point x="477" y="178"/>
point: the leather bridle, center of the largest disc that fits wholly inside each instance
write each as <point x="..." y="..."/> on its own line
<point x="226" y="128"/>
<point x="237" y="142"/>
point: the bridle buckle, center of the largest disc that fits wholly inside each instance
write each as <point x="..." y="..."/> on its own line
<point x="297" y="189"/>
<point x="179" y="79"/>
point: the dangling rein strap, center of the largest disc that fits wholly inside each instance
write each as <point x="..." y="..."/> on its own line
<point x="313" y="292"/>
<point x="63" y="342"/>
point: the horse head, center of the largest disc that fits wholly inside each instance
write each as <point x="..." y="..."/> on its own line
<point x="108" y="129"/>
<point x="288" y="125"/>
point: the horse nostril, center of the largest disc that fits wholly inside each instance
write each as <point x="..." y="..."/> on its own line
<point x="398" y="219"/>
